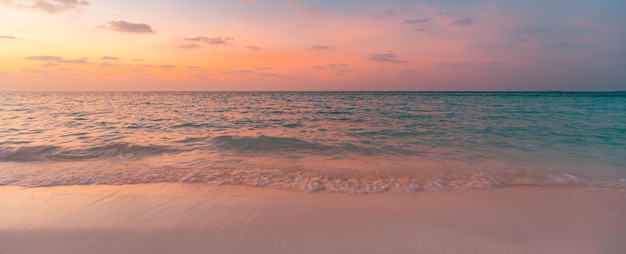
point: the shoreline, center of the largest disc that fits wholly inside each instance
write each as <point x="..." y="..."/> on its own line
<point x="199" y="218"/>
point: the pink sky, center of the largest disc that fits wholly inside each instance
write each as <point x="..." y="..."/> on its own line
<point x="312" y="45"/>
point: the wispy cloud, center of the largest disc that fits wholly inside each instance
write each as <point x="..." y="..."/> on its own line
<point x="167" y="66"/>
<point x="409" y="72"/>
<point x="453" y="64"/>
<point x="128" y="27"/>
<point x="275" y="75"/>
<point x="199" y="69"/>
<point x="110" y="58"/>
<point x="329" y="66"/>
<point x="50" y="6"/>
<point x="416" y="21"/>
<point x="58" y="59"/>
<point x="384" y="58"/>
<point x="189" y="46"/>
<point x="49" y="64"/>
<point x="263" y="68"/>
<point x="254" y="48"/>
<point x="212" y="40"/>
<point x="8" y="37"/>
<point x="237" y="72"/>
<point x="44" y="58"/>
<point x="463" y="22"/>
<point x="322" y="47"/>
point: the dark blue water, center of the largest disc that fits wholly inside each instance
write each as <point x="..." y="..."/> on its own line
<point x="352" y="142"/>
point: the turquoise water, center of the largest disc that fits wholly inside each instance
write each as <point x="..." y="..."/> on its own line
<point x="356" y="142"/>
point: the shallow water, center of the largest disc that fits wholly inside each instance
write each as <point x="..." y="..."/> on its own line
<point x="350" y="142"/>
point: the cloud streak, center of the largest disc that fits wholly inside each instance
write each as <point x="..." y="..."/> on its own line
<point x="329" y="66"/>
<point x="111" y="58"/>
<point x="128" y="27"/>
<point x="236" y="72"/>
<point x="277" y="76"/>
<point x="254" y="48"/>
<point x="416" y="21"/>
<point x="463" y="22"/>
<point x="57" y="59"/>
<point x="322" y="47"/>
<point x="8" y="37"/>
<point x="190" y="46"/>
<point x="384" y="58"/>
<point x="225" y="41"/>
<point x="50" y="6"/>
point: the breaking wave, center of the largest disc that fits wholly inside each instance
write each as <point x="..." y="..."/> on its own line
<point x="57" y="153"/>
<point x="237" y="172"/>
<point x="268" y="144"/>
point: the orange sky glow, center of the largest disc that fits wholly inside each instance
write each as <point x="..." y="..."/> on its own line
<point x="312" y="45"/>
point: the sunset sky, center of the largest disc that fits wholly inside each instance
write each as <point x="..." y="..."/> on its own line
<point x="312" y="45"/>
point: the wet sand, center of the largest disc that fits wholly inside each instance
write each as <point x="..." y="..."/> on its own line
<point x="193" y="218"/>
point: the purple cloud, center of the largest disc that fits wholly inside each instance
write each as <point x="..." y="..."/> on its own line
<point x="212" y="40"/>
<point x="416" y="21"/>
<point x="49" y="65"/>
<point x="274" y="75"/>
<point x="384" y="58"/>
<point x="237" y="72"/>
<point x="322" y="47"/>
<point x="44" y="58"/>
<point x="8" y="37"/>
<point x="409" y="72"/>
<point x="463" y="22"/>
<point x="190" y="46"/>
<point x="128" y="27"/>
<point x="58" y="59"/>
<point x="50" y="6"/>
<point x="110" y="58"/>
<point x="329" y="66"/>
<point x="254" y="48"/>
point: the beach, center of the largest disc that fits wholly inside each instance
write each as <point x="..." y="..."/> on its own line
<point x="200" y="218"/>
<point x="312" y="172"/>
<point x="312" y="127"/>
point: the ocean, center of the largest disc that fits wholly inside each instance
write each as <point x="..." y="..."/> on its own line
<point x="354" y="142"/>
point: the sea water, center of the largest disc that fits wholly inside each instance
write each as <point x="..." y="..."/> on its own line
<point x="355" y="142"/>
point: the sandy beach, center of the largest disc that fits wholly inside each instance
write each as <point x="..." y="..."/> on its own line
<point x="193" y="218"/>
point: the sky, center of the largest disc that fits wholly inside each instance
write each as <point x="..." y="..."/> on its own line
<point x="293" y="45"/>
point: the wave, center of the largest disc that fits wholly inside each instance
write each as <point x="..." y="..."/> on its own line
<point x="268" y="144"/>
<point x="289" y="179"/>
<point x="264" y="143"/>
<point x="57" y="153"/>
